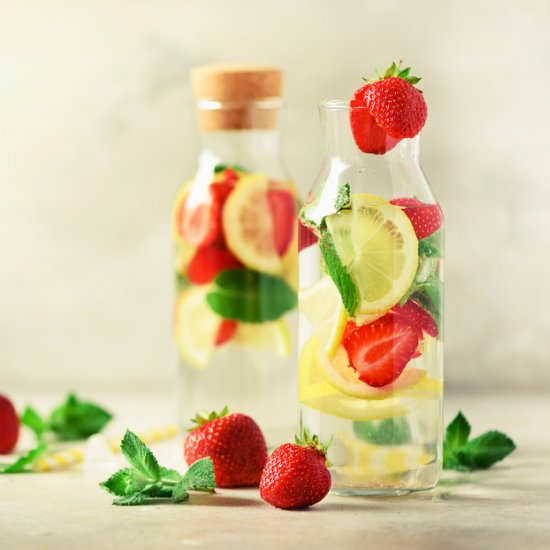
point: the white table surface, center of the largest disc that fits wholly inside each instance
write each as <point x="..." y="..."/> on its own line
<point x="505" y="507"/>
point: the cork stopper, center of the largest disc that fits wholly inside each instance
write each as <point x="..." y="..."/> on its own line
<point x="235" y="96"/>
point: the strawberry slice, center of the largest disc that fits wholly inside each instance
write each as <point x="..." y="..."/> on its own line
<point x="381" y="350"/>
<point x="208" y="262"/>
<point x="416" y="316"/>
<point x="282" y="206"/>
<point x="425" y="218"/>
<point x="368" y="136"/>
<point x="227" y="330"/>
<point x="306" y="237"/>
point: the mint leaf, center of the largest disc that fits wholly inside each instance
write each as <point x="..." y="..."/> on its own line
<point x="34" y="421"/>
<point x="221" y="167"/>
<point x="343" y="199"/>
<point x="121" y="483"/>
<point x="20" y="465"/>
<point x="169" y="475"/>
<point x="140" y="456"/>
<point x="484" y="451"/>
<point x="250" y="296"/>
<point x="77" y="419"/>
<point x="200" y="476"/>
<point x="130" y="500"/>
<point x="180" y="492"/>
<point x="428" y="294"/>
<point x="431" y="246"/>
<point x="458" y="432"/>
<point x="342" y="279"/>
<point x="391" y="431"/>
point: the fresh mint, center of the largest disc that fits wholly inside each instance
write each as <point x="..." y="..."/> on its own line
<point x="250" y="296"/>
<point x="390" y="431"/>
<point x="465" y="454"/>
<point x="221" y="167"/>
<point x="145" y="481"/>
<point x="343" y="198"/>
<point x="313" y="214"/>
<point x="432" y="246"/>
<point x="72" y="420"/>
<point x="338" y="273"/>
<point x="23" y="463"/>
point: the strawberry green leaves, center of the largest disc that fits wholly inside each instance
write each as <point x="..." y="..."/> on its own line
<point x="395" y="70"/>
<point x="464" y="454"/>
<point x="145" y="480"/>
<point x="250" y="296"/>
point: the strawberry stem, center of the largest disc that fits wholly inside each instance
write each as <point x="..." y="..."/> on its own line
<point x="394" y="70"/>
<point x="313" y="442"/>
<point x="200" y="419"/>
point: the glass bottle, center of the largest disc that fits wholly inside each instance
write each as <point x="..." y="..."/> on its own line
<point x="235" y="261"/>
<point x="371" y="299"/>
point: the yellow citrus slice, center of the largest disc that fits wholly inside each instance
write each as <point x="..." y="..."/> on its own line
<point x="248" y="225"/>
<point x="377" y="244"/>
<point x="195" y="326"/>
<point x="273" y="336"/>
<point x="183" y="250"/>
<point x="322" y="306"/>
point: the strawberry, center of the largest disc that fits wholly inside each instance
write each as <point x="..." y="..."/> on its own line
<point x="425" y="218"/>
<point x="306" y="236"/>
<point x="296" y="475"/>
<point x="208" y="261"/>
<point x="282" y="206"/>
<point x="227" y="330"/>
<point x="416" y="316"/>
<point x="235" y="444"/>
<point x="381" y="350"/>
<point x="386" y="110"/>
<point x="9" y="426"/>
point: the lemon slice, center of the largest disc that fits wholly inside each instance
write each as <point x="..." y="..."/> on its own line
<point x="322" y="306"/>
<point x="248" y="225"/>
<point x="377" y="244"/>
<point x="195" y="326"/>
<point x="273" y="336"/>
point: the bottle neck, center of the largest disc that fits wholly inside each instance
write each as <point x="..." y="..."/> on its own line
<point x="340" y="145"/>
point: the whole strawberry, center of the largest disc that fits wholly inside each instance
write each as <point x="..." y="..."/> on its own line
<point x="386" y="110"/>
<point x="296" y="475"/>
<point x="235" y="444"/>
<point x="9" y="425"/>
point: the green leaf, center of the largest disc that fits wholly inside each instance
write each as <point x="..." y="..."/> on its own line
<point x="140" y="456"/>
<point x="391" y="431"/>
<point x="180" y="492"/>
<point x="250" y="296"/>
<point x="404" y="73"/>
<point x="77" y="419"/>
<point x="458" y="432"/>
<point x="34" y="421"/>
<point x="131" y="500"/>
<point x="221" y="167"/>
<point x="342" y="279"/>
<point x="484" y="451"/>
<point x="121" y="483"/>
<point x="428" y="294"/>
<point x="169" y="475"/>
<point x="20" y="465"/>
<point x="431" y="246"/>
<point x="414" y="80"/>
<point x="343" y="199"/>
<point x="181" y="282"/>
<point x="200" y="476"/>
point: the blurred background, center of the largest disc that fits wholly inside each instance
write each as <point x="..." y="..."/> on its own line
<point x="97" y="130"/>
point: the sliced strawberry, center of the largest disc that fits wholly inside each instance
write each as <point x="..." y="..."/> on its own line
<point x="351" y="327"/>
<point x="208" y="262"/>
<point x="381" y="350"/>
<point x="425" y="218"/>
<point x="419" y="350"/>
<point x="416" y="316"/>
<point x="227" y="330"/>
<point x="282" y="205"/>
<point x="369" y="137"/>
<point x="230" y="177"/>
<point x="306" y="237"/>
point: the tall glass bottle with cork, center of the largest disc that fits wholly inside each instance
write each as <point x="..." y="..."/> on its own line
<point x="371" y="295"/>
<point x="235" y="261"/>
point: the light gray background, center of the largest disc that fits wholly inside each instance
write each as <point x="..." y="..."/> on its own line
<point x="97" y="130"/>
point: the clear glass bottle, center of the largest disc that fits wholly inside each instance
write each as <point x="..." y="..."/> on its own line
<point x="235" y="243"/>
<point x="371" y="309"/>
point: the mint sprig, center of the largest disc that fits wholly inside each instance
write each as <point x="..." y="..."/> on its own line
<point x="74" y="419"/>
<point x="146" y="481"/>
<point x="22" y="464"/>
<point x="464" y="454"/>
<point x="390" y="431"/>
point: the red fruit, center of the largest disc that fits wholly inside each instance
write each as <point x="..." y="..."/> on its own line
<point x="425" y="218"/>
<point x="208" y="262"/>
<point x="416" y="316"/>
<point x="306" y="237"/>
<point x="235" y="444"/>
<point x="227" y="330"/>
<point x="282" y="205"/>
<point x="381" y="350"/>
<point x="296" y="475"/>
<point x="9" y="426"/>
<point x="387" y="110"/>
